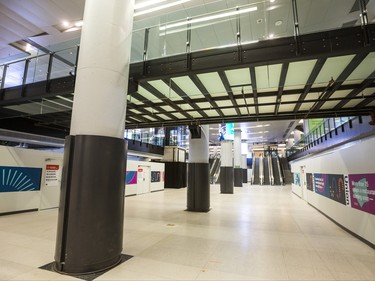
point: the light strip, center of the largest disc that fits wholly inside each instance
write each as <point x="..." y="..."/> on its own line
<point x="218" y="16"/>
<point x="160" y="8"/>
<point x="147" y="3"/>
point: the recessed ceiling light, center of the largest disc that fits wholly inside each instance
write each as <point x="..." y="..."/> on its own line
<point x="270" y="36"/>
<point x="147" y="3"/>
<point x="272" y="1"/>
<point x="259" y="20"/>
<point x="161" y="7"/>
<point x="279" y="22"/>
<point x="65" y="23"/>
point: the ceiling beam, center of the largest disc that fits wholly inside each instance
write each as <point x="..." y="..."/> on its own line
<point x="254" y="86"/>
<point x="284" y="72"/>
<point x="184" y="96"/>
<point x="165" y="99"/>
<point x="366" y="101"/>
<point x="313" y="75"/>
<point x="144" y="111"/>
<point x="341" y="79"/>
<point x="205" y="93"/>
<point x="140" y="98"/>
<point x="365" y="84"/>
<point x="228" y="88"/>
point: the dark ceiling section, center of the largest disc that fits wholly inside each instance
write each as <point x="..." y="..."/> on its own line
<point x="332" y="76"/>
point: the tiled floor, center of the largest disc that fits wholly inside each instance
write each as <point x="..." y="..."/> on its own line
<point x="258" y="233"/>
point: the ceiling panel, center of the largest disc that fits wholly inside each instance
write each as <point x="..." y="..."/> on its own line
<point x="238" y="76"/>
<point x="306" y="106"/>
<point x="268" y="77"/>
<point x="195" y="114"/>
<point x="224" y="103"/>
<point x="352" y="103"/>
<point x="332" y="69"/>
<point x="211" y="113"/>
<point x="165" y="117"/>
<point x="267" y="109"/>
<point x="146" y="94"/>
<point x="165" y="90"/>
<point x="329" y="104"/>
<point x="203" y="104"/>
<point x="364" y="69"/>
<point x="212" y="82"/>
<point x="340" y="94"/>
<point x="229" y="111"/>
<point x="286" y="107"/>
<point x="290" y="97"/>
<point x="298" y="73"/>
<point x="266" y="99"/>
<point x="188" y="86"/>
<point x="238" y="90"/>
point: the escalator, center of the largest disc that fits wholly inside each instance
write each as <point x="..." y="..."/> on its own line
<point x="266" y="173"/>
<point x="256" y="178"/>
<point x="215" y="171"/>
<point x="288" y="176"/>
<point x="276" y="171"/>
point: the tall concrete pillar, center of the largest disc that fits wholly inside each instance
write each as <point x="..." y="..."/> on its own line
<point x="244" y="167"/>
<point x="198" y="191"/>
<point x="91" y="212"/>
<point x="226" y="168"/>
<point x="237" y="158"/>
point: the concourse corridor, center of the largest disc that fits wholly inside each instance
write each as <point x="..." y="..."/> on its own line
<point x="257" y="233"/>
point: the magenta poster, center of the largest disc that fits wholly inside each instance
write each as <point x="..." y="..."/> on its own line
<point x="131" y="177"/>
<point x="362" y="192"/>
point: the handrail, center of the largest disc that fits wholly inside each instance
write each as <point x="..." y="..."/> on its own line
<point x="270" y="168"/>
<point x="261" y="172"/>
<point x="280" y="171"/>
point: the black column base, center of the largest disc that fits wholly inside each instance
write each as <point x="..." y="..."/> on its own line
<point x="238" y="177"/>
<point x="198" y="191"/>
<point x="91" y="212"/>
<point x="244" y="175"/>
<point x="226" y="180"/>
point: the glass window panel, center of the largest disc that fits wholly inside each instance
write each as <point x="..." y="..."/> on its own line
<point x="14" y="74"/>
<point x="41" y="68"/>
<point x="138" y="42"/>
<point x="63" y="63"/>
<point x="156" y="44"/>
<point x="320" y="15"/>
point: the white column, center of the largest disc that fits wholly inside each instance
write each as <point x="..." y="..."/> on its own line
<point x="237" y="149"/>
<point x="226" y="153"/>
<point x="198" y="148"/>
<point x="297" y="136"/>
<point x="102" y="75"/>
<point x="244" y="161"/>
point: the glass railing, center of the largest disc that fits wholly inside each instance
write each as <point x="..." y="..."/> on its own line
<point x="236" y="26"/>
<point x="326" y="126"/>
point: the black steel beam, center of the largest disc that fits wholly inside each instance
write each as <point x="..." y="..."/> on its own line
<point x="365" y="84"/>
<point x="341" y="79"/>
<point x="228" y="88"/>
<point x="254" y="86"/>
<point x="184" y="96"/>
<point x="165" y="99"/>
<point x="144" y="111"/>
<point x="313" y="75"/>
<point x="141" y="99"/>
<point x="205" y="93"/>
<point x="366" y="101"/>
<point x="284" y="71"/>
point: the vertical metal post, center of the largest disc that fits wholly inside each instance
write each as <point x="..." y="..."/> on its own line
<point x="238" y="36"/>
<point x="188" y="44"/>
<point x="4" y="75"/>
<point x="145" y="44"/>
<point x="49" y="70"/>
<point x="25" y="70"/>
<point x="364" y="22"/>
<point x="296" y="27"/>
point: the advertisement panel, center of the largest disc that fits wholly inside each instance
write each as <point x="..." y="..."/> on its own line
<point x="362" y="192"/>
<point x="310" y="181"/>
<point x="297" y="179"/>
<point x="15" y="179"/>
<point x="330" y="186"/>
<point x="155" y="176"/>
<point x="131" y="177"/>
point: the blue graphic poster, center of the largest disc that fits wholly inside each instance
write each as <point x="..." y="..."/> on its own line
<point x="297" y="179"/>
<point x="330" y="186"/>
<point x="131" y="177"/>
<point x="16" y="179"/>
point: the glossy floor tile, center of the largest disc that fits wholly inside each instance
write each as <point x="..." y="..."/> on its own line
<point x="257" y="233"/>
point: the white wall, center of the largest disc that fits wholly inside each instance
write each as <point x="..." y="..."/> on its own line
<point x="355" y="158"/>
<point x="47" y="197"/>
<point x="154" y="186"/>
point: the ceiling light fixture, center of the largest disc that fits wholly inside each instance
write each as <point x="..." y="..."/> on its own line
<point x="160" y="8"/>
<point x="208" y="18"/>
<point x="147" y="3"/>
<point x="278" y="23"/>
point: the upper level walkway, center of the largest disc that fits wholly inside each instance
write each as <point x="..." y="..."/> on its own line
<point x="250" y="63"/>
